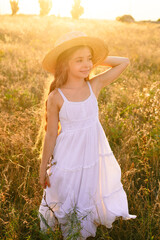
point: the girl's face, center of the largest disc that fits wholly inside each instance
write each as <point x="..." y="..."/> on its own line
<point x="80" y="63"/>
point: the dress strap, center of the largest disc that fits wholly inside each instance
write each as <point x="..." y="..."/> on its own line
<point x="90" y="87"/>
<point x="64" y="98"/>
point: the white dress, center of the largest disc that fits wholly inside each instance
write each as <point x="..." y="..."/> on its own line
<point x="86" y="173"/>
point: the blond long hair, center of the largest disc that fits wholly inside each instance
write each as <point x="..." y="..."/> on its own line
<point x="61" y="74"/>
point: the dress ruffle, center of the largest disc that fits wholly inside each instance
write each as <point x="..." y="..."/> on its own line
<point x="108" y="202"/>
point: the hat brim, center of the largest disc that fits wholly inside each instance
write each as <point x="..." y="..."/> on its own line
<point x="99" y="47"/>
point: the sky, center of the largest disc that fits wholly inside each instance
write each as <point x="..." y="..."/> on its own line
<point x="101" y="9"/>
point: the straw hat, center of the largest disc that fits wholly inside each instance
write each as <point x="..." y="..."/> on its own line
<point x="71" y="39"/>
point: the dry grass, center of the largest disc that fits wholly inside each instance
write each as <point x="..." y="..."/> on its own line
<point x="128" y="112"/>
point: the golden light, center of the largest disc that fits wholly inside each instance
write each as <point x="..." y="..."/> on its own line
<point x="101" y="9"/>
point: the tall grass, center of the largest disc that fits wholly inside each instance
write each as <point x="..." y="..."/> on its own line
<point x="129" y="113"/>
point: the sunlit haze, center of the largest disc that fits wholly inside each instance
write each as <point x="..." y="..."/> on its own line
<point x="101" y="9"/>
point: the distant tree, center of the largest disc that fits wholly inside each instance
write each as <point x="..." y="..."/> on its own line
<point x="77" y="9"/>
<point x="125" y="18"/>
<point x="158" y="20"/>
<point x="14" y="6"/>
<point x="45" y="7"/>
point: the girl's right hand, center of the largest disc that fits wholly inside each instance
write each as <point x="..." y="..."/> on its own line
<point x="44" y="180"/>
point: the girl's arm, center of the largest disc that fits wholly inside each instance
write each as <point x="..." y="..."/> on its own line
<point x="113" y="61"/>
<point x="117" y="64"/>
<point x="50" y="137"/>
<point x="49" y="143"/>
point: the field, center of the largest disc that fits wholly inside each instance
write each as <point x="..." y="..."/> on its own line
<point x="129" y="113"/>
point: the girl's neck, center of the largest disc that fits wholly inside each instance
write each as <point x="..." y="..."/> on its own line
<point x="75" y="85"/>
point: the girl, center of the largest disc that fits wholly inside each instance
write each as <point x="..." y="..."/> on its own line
<point x="83" y="171"/>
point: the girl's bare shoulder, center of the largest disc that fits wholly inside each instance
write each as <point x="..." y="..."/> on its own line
<point x="52" y="113"/>
<point x="54" y="99"/>
<point x="94" y="86"/>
